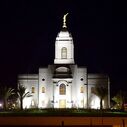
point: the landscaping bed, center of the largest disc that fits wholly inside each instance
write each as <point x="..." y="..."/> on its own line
<point x="65" y="112"/>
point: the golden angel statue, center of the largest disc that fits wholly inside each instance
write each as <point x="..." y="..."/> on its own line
<point x="64" y="20"/>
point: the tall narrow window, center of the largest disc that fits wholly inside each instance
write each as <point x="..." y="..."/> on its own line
<point x="33" y="89"/>
<point x="62" y="89"/>
<point x="81" y="90"/>
<point x="43" y="89"/>
<point x="32" y="103"/>
<point x="64" y="53"/>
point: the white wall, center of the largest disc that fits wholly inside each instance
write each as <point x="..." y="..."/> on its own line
<point x="99" y="79"/>
<point x="73" y="87"/>
<point x="64" y="39"/>
<point x="29" y="81"/>
<point x="43" y="98"/>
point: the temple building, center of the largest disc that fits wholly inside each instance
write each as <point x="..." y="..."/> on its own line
<point x="64" y="84"/>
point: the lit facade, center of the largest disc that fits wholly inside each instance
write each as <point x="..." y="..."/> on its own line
<point x="64" y="84"/>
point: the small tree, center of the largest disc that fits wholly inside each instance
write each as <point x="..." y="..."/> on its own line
<point x="22" y="94"/>
<point x="101" y="91"/>
<point x="5" y="93"/>
<point x="119" y="99"/>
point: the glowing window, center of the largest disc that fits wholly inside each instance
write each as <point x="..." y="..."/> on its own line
<point x="81" y="90"/>
<point x="64" y="53"/>
<point x="33" y="89"/>
<point x="62" y="89"/>
<point x="32" y="103"/>
<point x="43" y="89"/>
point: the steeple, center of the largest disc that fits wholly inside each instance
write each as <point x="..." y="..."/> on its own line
<point x="64" y="48"/>
<point x="64" y="20"/>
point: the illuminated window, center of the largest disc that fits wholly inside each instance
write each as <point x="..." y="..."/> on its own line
<point x="81" y="90"/>
<point x="33" y="89"/>
<point x="32" y="103"/>
<point x="43" y="89"/>
<point x="62" y="89"/>
<point x="64" y="53"/>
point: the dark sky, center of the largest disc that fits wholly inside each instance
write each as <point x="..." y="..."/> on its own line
<point x="28" y="30"/>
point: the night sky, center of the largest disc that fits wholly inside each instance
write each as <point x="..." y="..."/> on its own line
<point x="28" y="30"/>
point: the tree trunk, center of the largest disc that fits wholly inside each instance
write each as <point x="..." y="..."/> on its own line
<point x="122" y="107"/>
<point x="5" y="104"/>
<point x="101" y="106"/>
<point x="21" y="104"/>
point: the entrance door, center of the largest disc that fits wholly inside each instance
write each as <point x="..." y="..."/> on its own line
<point x="62" y="103"/>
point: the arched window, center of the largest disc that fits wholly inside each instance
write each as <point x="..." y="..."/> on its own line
<point x="62" y="89"/>
<point x="32" y="103"/>
<point x="81" y="90"/>
<point x="33" y="89"/>
<point x="64" y="53"/>
<point x="43" y="89"/>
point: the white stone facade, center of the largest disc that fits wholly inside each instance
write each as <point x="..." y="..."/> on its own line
<point x="64" y="48"/>
<point x="64" y="84"/>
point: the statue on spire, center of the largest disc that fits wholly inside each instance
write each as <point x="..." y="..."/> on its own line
<point x="64" y="20"/>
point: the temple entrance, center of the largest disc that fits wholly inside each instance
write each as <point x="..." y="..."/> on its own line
<point x="62" y="103"/>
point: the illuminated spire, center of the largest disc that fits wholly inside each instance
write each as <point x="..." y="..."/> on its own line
<point x="64" y="20"/>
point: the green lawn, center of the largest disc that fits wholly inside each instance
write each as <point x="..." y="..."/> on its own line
<point x="64" y="112"/>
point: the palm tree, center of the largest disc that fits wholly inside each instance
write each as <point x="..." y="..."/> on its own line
<point x="101" y="91"/>
<point x="22" y="94"/>
<point x="5" y="93"/>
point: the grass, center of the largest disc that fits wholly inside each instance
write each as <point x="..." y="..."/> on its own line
<point x="65" y="112"/>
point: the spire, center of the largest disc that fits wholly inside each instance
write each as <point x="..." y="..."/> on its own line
<point x="64" y="20"/>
